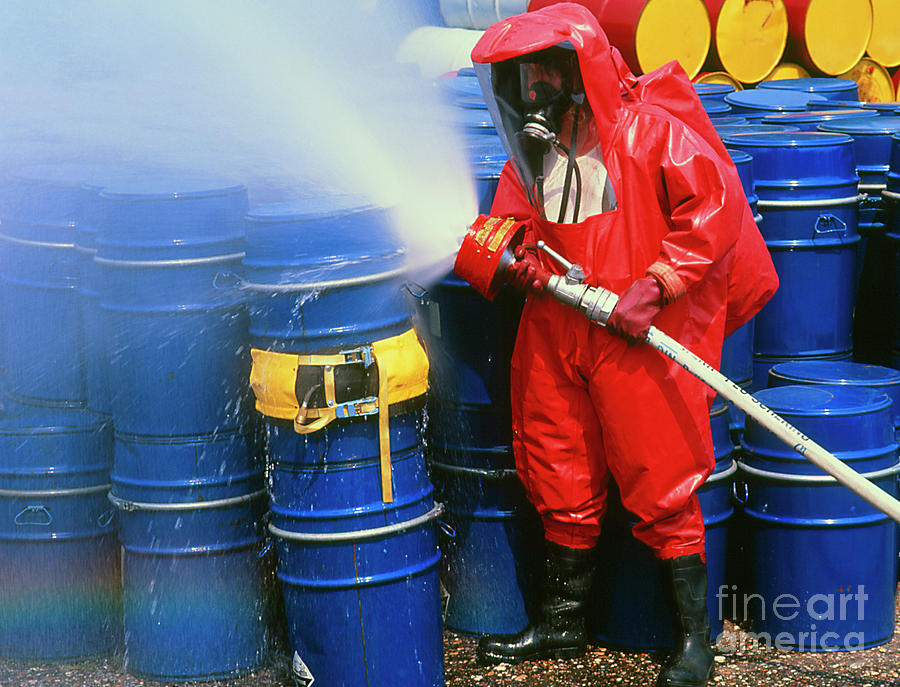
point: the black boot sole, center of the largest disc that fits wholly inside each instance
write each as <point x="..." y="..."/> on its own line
<point x="485" y="658"/>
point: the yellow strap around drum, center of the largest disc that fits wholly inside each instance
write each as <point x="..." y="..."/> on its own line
<point x="402" y="375"/>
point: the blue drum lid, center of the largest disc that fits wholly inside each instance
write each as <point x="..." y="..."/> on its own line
<point x="817" y="116"/>
<point x="712" y="89"/>
<point x="831" y="104"/>
<point x="59" y="232"/>
<point x="793" y="139"/>
<point x="165" y="187"/>
<point x="817" y="401"/>
<point x="728" y="130"/>
<point x="471" y="103"/>
<point x="725" y="120"/>
<point x="864" y="126"/>
<point x="831" y="86"/>
<point x="773" y="100"/>
<point x="715" y="107"/>
<point x="458" y="85"/>
<point x="837" y="372"/>
<point x="472" y="119"/>
<point x="65" y="191"/>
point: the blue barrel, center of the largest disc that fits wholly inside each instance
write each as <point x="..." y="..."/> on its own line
<point x="805" y="591"/>
<point x="486" y="159"/>
<point x="195" y="606"/>
<point x="873" y="323"/>
<point x="39" y="280"/>
<point x="713" y="92"/>
<point x="841" y="373"/>
<point x="829" y="88"/>
<point x="713" y="108"/>
<point x="463" y="84"/>
<point x="891" y="199"/>
<point x="726" y="131"/>
<point x="630" y="608"/>
<point x="202" y="467"/>
<point x="359" y="575"/>
<point x="810" y="121"/>
<point x="61" y="596"/>
<point x="479" y="14"/>
<point x="63" y="196"/>
<point x="754" y="104"/>
<point x="471" y="116"/>
<point x="807" y="188"/>
<point x="762" y="365"/>
<point x="177" y="344"/>
<point x="727" y="120"/>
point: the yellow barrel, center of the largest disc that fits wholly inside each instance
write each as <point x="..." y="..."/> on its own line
<point x="719" y="77"/>
<point x="884" y="45"/>
<point x="875" y="85"/>
<point x="749" y="37"/>
<point x="650" y="33"/>
<point x="828" y="36"/>
<point x="787" y="70"/>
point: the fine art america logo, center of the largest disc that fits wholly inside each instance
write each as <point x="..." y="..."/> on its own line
<point x="820" y="621"/>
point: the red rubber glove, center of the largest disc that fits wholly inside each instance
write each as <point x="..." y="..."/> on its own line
<point x="634" y="313"/>
<point x="526" y="273"/>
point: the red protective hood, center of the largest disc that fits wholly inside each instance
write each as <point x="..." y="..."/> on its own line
<point x="563" y="23"/>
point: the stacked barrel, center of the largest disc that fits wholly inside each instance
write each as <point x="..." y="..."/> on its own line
<point x="801" y="522"/>
<point x="59" y="559"/>
<point x="807" y="188"/>
<point x="187" y="476"/>
<point x="340" y="376"/>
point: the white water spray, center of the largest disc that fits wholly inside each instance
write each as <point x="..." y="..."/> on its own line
<point x="292" y="99"/>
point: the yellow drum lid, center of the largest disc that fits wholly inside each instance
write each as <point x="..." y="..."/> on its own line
<point x="673" y="30"/>
<point x="787" y="70"/>
<point x="750" y="37"/>
<point x="875" y="85"/>
<point x="884" y="45"/>
<point x="836" y="33"/>
<point x="719" y="77"/>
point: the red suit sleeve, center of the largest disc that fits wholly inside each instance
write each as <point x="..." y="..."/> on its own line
<point x="704" y="211"/>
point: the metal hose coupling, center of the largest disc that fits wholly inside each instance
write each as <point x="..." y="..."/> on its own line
<point x="595" y="302"/>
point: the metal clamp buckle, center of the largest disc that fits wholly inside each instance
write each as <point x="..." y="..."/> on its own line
<point x="358" y="407"/>
<point x="363" y="354"/>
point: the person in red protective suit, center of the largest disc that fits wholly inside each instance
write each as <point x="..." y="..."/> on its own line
<point x="653" y="210"/>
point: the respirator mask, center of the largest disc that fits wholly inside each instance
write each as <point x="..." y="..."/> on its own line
<point x="545" y="94"/>
<point x="534" y="92"/>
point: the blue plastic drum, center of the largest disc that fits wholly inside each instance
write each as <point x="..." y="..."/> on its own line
<point x="830" y="88"/>
<point x="323" y="274"/>
<point x="177" y="342"/>
<point x="756" y="103"/>
<point x="763" y="364"/>
<point x="805" y="592"/>
<point x="359" y="574"/>
<point x="807" y="188"/>
<point x="810" y="121"/>
<point x="41" y="310"/>
<point x="841" y="373"/>
<point x="61" y="596"/>
<point x="195" y="606"/>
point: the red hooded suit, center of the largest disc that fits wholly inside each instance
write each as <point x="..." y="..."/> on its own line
<point x="586" y="405"/>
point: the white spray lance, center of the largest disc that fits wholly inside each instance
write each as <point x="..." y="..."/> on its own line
<point x="488" y="245"/>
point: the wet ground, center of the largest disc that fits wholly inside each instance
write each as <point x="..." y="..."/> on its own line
<point x="740" y="662"/>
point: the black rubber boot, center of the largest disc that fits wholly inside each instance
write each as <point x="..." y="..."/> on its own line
<point x="691" y="664"/>
<point x="560" y="633"/>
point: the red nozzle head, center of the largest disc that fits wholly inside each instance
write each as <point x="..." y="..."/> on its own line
<point x="487" y="251"/>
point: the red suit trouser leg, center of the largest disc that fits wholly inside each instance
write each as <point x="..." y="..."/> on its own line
<point x="587" y="407"/>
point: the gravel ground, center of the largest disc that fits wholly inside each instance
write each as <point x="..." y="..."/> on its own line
<point x="738" y="663"/>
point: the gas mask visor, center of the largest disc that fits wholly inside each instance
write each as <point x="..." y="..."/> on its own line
<point x="528" y="97"/>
